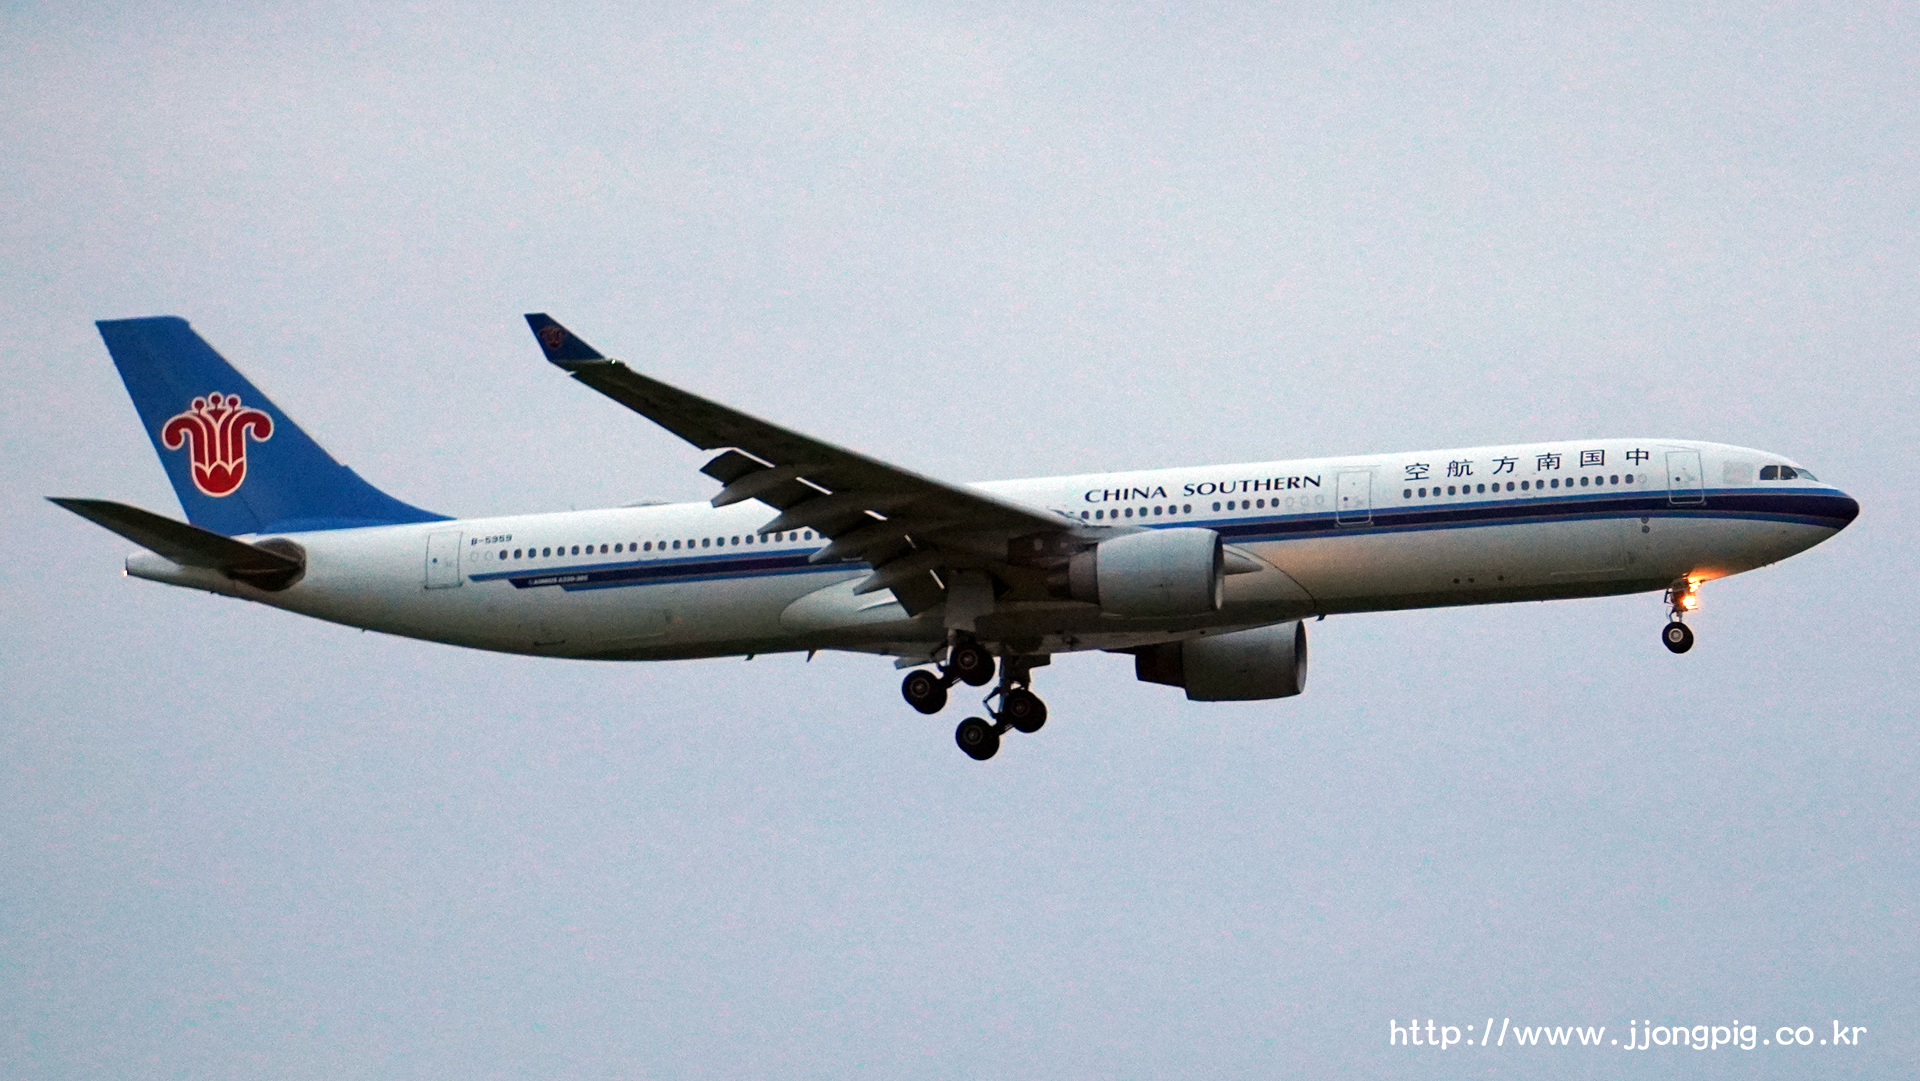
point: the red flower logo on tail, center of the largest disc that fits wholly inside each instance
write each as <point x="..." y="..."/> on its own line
<point x="214" y="430"/>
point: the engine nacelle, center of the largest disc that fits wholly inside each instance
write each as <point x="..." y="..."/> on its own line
<point x="1160" y="572"/>
<point x="1244" y="666"/>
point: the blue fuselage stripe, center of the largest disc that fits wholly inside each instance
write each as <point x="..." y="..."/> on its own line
<point x="1829" y="510"/>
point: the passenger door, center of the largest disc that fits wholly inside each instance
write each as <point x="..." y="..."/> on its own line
<point x="1355" y="493"/>
<point x="1683" y="478"/>
<point x="443" y="560"/>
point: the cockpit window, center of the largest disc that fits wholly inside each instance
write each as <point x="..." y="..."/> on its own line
<point x="1785" y="472"/>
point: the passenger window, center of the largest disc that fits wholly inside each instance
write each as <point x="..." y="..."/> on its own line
<point x="1509" y="486"/>
<point x="516" y="553"/>
<point x="676" y="546"/>
<point x="503" y="553"/>
<point x="1216" y="506"/>
<point x="1186" y="508"/>
<point x="1583" y="482"/>
<point x="1406" y="493"/>
<point x="1481" y="487"/>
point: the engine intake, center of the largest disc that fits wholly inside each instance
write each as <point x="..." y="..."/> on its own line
<point x="1160" y="572"/>
<point x="1243" y="666"/>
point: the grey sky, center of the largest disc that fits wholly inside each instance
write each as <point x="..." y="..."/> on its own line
<point x="1009" y="241"/>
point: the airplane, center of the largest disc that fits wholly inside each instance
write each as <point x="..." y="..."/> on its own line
<point x="1205" y="575"/>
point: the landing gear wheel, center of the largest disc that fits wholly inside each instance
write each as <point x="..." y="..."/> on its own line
<point x="1678" y="637"/>
<point x="924" y="691"/>
<point x="1023" y="710"/>
<point x="971" y="662"/>
<point x="977" y="738"/>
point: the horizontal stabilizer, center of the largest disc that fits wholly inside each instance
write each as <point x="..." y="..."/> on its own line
<point x="191" y="546"/>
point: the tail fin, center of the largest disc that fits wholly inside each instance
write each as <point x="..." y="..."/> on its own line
<point x="236" y="462"/>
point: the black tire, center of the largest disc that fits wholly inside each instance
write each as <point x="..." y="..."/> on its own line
<point x="924" y="691"/>
<point x="977" y="738"/>
<point x="1024" y="711"/>
<point x="1678" y="637"/>
<point x="972" y="663"/>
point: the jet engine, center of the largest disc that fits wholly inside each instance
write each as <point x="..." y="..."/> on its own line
<point x="1242" y="666"/>
<point x="1160" y="572"/>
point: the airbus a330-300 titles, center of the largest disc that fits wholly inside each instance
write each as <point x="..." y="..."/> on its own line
<point x="1205" y="575"/>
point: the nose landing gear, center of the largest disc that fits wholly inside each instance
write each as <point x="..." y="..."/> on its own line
<point x="1683" y="596"/>
<point x="1678" y="637"/>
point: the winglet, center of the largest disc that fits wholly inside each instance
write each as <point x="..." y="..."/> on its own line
<point x="561" y="345"/>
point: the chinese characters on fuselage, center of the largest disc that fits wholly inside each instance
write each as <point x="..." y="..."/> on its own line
<point x="1544" y="462"/>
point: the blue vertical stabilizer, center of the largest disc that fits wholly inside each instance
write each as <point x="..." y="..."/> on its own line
<point x="238" y="464"/>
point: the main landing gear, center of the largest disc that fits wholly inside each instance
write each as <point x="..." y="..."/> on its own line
<point x="1683" y="596"/>
<point x="968" y="662"/>
<point x="1017" y="708"/>
<point x="1011" y="705"/>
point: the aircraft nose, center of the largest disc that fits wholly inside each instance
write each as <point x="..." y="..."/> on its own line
<point x="1845" y="509"/>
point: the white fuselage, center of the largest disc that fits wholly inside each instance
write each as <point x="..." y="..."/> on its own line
<point x="1331" y="535"/>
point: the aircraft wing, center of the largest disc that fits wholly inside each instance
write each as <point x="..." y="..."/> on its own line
<point x="908" y="527"/>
